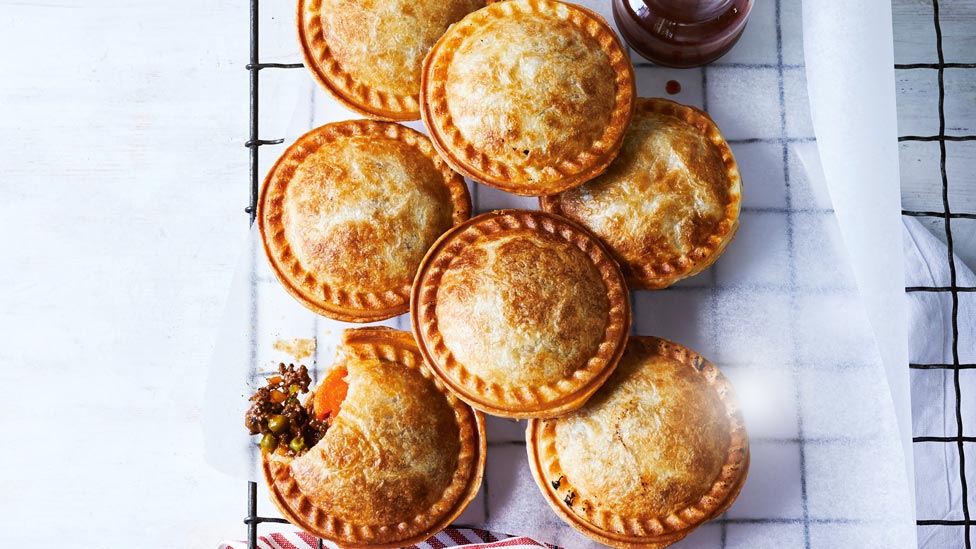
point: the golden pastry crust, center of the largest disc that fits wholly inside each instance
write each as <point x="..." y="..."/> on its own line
<point x="658" y="450"/>
<point x="402" y="459"/>
<point x="368" y="55"/>
<point x="529" y="96"/>
<point x="669" y="204"/>
<point x="520" y="313"/>
<point x="348" y="212"/>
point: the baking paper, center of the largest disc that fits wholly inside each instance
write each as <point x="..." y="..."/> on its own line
<point x="781" y="313"/>
<point x="852" y="102"/>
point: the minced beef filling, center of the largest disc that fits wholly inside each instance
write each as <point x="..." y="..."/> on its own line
<point x="289" y="427"/>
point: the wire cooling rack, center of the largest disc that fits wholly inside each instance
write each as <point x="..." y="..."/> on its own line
<point x="947" y="215"/>
<point x="778" y="68"/>
<point x="253" y="144"/>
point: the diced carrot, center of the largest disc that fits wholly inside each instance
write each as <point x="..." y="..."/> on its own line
<point x="274" y="380"/>
<point x="278" y="397"/>
<point x="331" y="393"/>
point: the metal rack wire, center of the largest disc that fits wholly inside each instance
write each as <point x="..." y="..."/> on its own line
<point x="952" y="289"/>
<point x="254" y="142"/>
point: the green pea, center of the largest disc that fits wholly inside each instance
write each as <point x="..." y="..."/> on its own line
<point x="269" y="443"/>
<point x="297" y="444"/>
<point x="277" y="423"/>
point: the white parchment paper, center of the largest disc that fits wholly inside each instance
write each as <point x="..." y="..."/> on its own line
<point x="852" y="102"/>
<point x="782" y="313"/>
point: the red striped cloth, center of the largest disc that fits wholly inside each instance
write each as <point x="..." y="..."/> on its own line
<point x="468" y="538"/>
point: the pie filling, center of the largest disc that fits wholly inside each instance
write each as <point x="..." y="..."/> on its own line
<point x="289" y="427"/>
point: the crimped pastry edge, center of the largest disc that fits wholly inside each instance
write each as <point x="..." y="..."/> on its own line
<point x="393" y="346"/>
<point x="660" y="275"/>
<point x="335" y="302"/>
<point x="518" y="402"/>
<point x="339" y="83"/>
<point x="646" y="532"/>
<point x="477" y="166"/>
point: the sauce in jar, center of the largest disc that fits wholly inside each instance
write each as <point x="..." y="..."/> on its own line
<point x="681" y="33"/>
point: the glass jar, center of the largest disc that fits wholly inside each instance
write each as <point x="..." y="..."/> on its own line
<point x="681" y="33"/>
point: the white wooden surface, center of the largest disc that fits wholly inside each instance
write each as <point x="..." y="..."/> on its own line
<point x="122" y="183"/>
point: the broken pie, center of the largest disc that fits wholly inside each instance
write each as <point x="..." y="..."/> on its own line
<point x="401" y="457"/>
<point x="368" y="55"/>
<point x="528" y="96"/>
<point x="669" y="204"/>
<point x="659" y="449"/>
<point x="348" y="212"/>
<point x="520" y="313"/>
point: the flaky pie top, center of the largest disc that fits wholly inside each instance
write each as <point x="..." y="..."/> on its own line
<point x="522" y="308"/>
<point x="363" y="212"/>
<point x="531" y="96"/>
<point x="660" y="448"/>
<point x="369" y="53"/>
<point x="394" y="467"/>
<point x="651" y="444"/>
<point x="349" y="211"/>
<point x="401" y="459"/>
<point x="669" y="202"/>
<point x="521" y="313"/>
<point x="525" y="91"/>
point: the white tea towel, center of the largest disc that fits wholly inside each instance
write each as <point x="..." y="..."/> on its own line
<point x="937" y="464"/>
